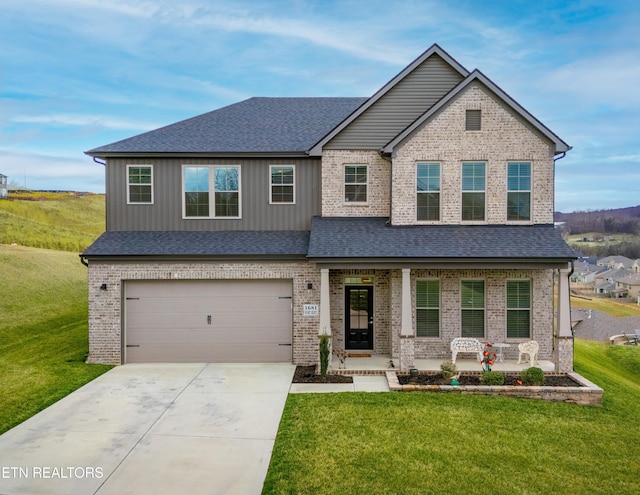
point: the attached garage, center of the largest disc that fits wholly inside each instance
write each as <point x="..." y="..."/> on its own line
<point x="208" y="321"/>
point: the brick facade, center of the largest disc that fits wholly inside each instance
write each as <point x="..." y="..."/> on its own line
<point x="105" y="306"/>
<point x="503" y="138"/>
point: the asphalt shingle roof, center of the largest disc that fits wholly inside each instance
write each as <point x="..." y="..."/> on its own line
<point x="250" y="126"/>
<point x="187" y="243"/>
<point x="374" y="238"/>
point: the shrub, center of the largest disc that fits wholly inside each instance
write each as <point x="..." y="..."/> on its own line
<point x="532" y="377"/>
<point x="448" y="369"/>
<point x="324" y="354"/>
<point x="492" y="378"/>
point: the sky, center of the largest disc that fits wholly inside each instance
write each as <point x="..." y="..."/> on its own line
<point x="78" y="74"/>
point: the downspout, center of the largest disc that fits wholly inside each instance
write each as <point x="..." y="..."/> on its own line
<point x="390" y="160"/>
<point x="95" y="159"/>
<point x="83" y="260"/>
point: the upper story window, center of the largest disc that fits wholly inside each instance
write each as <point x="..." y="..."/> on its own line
<point x="202" y="184"/>
<point x="139" y="184"/>
<point x="518" y="309"/>
<point x="428" y="191"/>
<point x="473" y="120"/>
<point x="282" y="189"/>
<point x="472" y="306"/>
<point x="428" y="308"/>
<point x="519" y="191"/>
<point x="355" y="183"/>
<point x="473" y="191"/>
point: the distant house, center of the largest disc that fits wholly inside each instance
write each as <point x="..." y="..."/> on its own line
<point x="585" y="273"/>
<point x="3" y="186"/>
<point x="616" y="262"/>
<point x="630" y="285"/>
<point x="636" y="266"/>
<point x="606" y="282"/>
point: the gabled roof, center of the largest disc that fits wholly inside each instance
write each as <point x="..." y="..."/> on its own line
<point x="256" y="125"/>
<point x="433" y="50"/>
<point x="476" y="75"/>
<point x="358" y="238"/>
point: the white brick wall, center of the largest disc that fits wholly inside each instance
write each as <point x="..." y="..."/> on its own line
<point x="504" y="137"/>
<point x="105" y="307"/>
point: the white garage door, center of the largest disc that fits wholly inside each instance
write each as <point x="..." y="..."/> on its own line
<point x="208" y="321"/>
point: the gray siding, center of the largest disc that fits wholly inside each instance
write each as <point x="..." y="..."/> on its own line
<point x="399" y="107"/>
<point x="257" y="214"/>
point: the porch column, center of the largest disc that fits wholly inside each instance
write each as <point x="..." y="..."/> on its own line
<point x="407" y="342"/>
<point x="325" y="306"/>
<point x="564" y="358"/>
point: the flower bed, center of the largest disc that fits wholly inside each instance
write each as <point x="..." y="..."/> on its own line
<point x="583" y="392"/>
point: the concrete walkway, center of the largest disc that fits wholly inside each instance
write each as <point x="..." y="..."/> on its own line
<point x="160" y="429"/>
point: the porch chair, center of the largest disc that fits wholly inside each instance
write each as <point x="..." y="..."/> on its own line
<point x="530" y="348"/>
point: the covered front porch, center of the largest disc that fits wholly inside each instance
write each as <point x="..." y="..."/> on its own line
<point x="379" y="364"/>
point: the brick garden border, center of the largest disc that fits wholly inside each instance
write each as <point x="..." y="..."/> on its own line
<point x="587" y="393"/>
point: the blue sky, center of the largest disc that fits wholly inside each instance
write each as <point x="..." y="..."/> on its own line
<point x="78" y="74"/>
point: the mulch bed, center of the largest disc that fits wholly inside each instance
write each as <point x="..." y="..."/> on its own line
<point x="307" y="374"/>
<point x="436" y="379"/>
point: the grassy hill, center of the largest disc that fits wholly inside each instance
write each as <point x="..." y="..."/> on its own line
<point x="61" y="221"/>
<point x="43" y="330"/>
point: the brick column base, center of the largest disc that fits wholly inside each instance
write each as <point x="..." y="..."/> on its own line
<point x="564" y="355"/>
<point x="407" y="352"/>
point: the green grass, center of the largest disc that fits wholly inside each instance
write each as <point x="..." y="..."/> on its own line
<point x="57" y="221"/>
<point x="426" y="443"/>
<point x="607" y="305"/>
<point x="43" y="331"/>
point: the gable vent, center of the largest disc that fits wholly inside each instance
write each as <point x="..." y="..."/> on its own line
<point x="473" y="119"/>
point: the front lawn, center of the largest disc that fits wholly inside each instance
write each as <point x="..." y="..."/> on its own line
<point x="43" y="332"/>
<point x="423" y="443"/>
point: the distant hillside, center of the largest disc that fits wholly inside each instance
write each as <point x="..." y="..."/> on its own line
<point x="616" y="221"/>
<point x="61" y="221"/>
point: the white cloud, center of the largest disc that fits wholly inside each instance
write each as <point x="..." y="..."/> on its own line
<point x="85" y="120"/>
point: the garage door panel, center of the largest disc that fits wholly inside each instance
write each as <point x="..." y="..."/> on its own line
<point x="208" y="321"/>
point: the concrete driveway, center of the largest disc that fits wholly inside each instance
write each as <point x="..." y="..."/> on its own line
<point x="152" y="428"/>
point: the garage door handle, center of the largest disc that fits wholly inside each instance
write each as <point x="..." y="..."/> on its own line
<point x="285" y="344"/>
<point x="133" y="345"/>
<point x="208" y="319"/>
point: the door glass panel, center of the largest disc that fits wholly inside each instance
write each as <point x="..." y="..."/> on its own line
<point x="359" y="308"/>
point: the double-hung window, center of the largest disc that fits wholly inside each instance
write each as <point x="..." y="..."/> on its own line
<point x="211" y="191"/>
<point x="282" y="179"/>
<point x="428" y="308"/>
<point x="139" y="184"/>
<point x="519" y="191"/>
<point x="355" y="183"/>
<point x="473" y="191"/>
<point x="428" y="191"/>
<point x="518" y="309"/>
<point x="472" y="305"/>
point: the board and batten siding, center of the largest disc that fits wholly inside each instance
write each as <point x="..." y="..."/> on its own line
<point x="165" y="214"/>
<point x="399" y="107"/>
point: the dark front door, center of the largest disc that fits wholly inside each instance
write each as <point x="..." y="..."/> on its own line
<point x="358" y="307"/>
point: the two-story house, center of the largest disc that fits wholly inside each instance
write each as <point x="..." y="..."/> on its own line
<point x="393" y="223"/>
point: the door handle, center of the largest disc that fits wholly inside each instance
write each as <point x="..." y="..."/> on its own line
<point x="208" y="319"/>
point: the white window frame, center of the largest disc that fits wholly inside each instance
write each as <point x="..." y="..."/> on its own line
<point x="211" y="191"/>
<point x="345" y="184"/>
<point x="439" y="191"/>
<point x="438" y="307"/>
<point x="508" y="309"/>
<point x="464" y="191"/>
<point x="271" y="185"/>
<point x="483" y="308"/>
<point x="530" y="190"/>
<point x="129" y="184"/>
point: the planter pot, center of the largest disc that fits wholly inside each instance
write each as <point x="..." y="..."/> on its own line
<point x="413" y="372"/>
